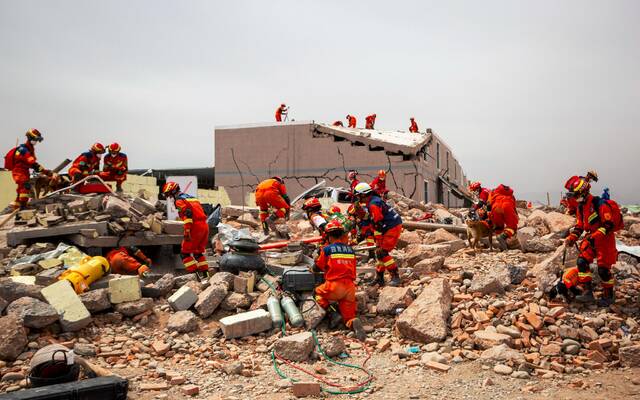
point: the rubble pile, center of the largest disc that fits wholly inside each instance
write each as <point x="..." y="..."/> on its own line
<point x="177" y="334"/>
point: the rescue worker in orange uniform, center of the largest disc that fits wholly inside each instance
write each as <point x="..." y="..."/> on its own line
<point x="196" y="229"/>
<point x="480" y="207"/>
<point x="388" y="227"/>
<point x="87" y="163"/>
<point x="598" y="220"/>
<point x="503" y="214"/>
<point x="281" y="112"/>
<point x="128" y="261"/>
<point x="338" y="123"/>
<point x="370" y="121"/>
<point x="21" y="160"/>
<point x="317" y="218"/>
<point x="568" y="286"/>
<point x="379" y="184"/>
<point x="115" y="166"/>
<point x="338" y="262"/>
<point x="414" y="125"/>
<point x="272" y="193"/>
<point x="351" y="120"/>
<point x="352" y="178"/>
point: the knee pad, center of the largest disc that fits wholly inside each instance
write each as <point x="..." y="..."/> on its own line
<point x="604" y="273"/>
<point x="583" y="265"/>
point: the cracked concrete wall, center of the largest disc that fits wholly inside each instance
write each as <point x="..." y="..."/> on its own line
<point x="246" y="155"/>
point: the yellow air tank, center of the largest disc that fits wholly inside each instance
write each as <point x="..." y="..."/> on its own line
<point x="88" y="271"/>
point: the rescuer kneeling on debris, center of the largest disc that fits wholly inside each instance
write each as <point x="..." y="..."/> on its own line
<point x="568" y="286"/>
<point x="115" y="166"/>
<point x="196" y="230"/>
<point x="128" y="261"/>
<point x="338" y="262"/>
<point x="272" y="193"/>
<point x="87" y="163"/>
<point x="388" y="227"/>
<point x="598" y="219"/>
<point x="503" y="214"/>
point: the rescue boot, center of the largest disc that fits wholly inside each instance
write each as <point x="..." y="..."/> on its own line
<point x="335" y="318"/>
<point x="607" y="298"/>
<point x="587" y="295"/>
<point x="379" y="278"/>
<point x="119" y="189"/>
<point x="502" y="241"/>
<point x="358" y="329"/>
<point x="395" y="278"/>
<point x="265" y="228"/>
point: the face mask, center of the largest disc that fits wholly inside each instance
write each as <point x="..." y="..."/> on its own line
<point x="33" y="142"/>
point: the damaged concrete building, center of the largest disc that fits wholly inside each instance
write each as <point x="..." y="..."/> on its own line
<point x="419" y="165"/>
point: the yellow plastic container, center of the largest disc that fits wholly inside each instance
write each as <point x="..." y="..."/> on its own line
<point x="88" y="271"/>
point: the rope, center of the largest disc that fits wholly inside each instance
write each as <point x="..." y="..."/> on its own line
<point x="341" y="389"/>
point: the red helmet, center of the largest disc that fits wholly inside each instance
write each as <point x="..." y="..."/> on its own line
<point x="279" y="179"/>
<point x="475" y="186"/>
<point x="114" y="148"/>
<point x="411" y="118"/>
<point x="170" y="188"/>
<point x="577" y="185"/>
<point x="34" y="134"/>
<point x="333" y="226"/>
<point x="334" y="209"/>
<point x="356" y="211"/>
<point x="352" y="175"/>
<point x="374" y="115"/>
<point x="98" y="148"/>
<point x="312" y="204"/>
<point x="283" y="105"/>
<point x="382" y="174"/>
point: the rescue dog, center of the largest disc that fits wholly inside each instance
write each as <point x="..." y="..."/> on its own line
<point x="42" y="184"/>
<point x="477" y="230"/>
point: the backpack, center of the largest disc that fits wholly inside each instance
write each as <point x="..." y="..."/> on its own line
<point x="9" y="159"/>
<point x="616" y="214"/>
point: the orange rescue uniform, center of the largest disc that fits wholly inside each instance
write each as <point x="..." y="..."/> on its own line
<point x="414" y="126"/>
<point x="115" y="168"/>
<point x="24" y="159"/>
<point x="271" y="193"/>
<point x="128" y="260"/>
<point x="196" y="233"/>
<point x="338" y="262"/>
<point x="370" y="121"/>
<point x="503" y="211"/>
<point x="84" y="165"/>
<point x="352" y="121"/>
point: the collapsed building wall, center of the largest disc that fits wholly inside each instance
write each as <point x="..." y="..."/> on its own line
<point x="304" y="153"/>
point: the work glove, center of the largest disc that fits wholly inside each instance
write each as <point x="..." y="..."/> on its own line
<point x="571" y="239"/>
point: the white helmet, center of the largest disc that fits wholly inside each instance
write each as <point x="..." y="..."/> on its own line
<point x="362" y="188"/>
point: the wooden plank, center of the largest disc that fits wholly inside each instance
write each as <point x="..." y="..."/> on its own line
<point x="112" y="241"/>
<point x="16" y="237"/>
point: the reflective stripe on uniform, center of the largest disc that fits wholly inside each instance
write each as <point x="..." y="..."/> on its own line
<point x="187" y="220"/>
<point x="593" y="216"/>
<point x="603" y="230"/>
<point x="190" y="263"/>
<point x="389" y="262"/>
<point x="343" y="256"/>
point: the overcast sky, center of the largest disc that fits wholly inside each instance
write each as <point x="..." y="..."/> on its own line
<point x="526" y="93"/>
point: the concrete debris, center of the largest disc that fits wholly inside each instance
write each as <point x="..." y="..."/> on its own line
<point x="182" y="322"/>
<point x="426" y="319"/>
<point x="133" y="308"/>
<point x="245" y="324"/>
<point x="209" y="300"/>
<point x="296" y="347"/>
<point x="33" y="313"/>
<point x="183" y="298"/>
<point x="73" y="315"/>
<point x="13" y="338"/>
<point x="96" y="300"/>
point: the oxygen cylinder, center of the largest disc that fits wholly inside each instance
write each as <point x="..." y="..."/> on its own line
<point x="88" y="271"/>
<point x="273" y="305"/>
<point x="290" y="308"/>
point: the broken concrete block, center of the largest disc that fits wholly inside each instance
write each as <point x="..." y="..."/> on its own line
<point x="143" y="206"/>
<point x="236" y="300"/>
<point x="50" y="263"/>
<point x="486" y="284"/>
<point x="10" y="290"/>
<point x="426" y="319"/>
<point x="630" y="356"/>
<point x="72" y="313"/>
<point x="125" y="288"/>
<point x="392" y="299"/>
<point x="159" y="288"/>
<point x="245" y="324"/>
<point x="115" y="207"/>
<point x="3" y="304"/>
<point x="312" y="313"/>
<point x="263" y="287"/>
<point x="225" y="278"/>
<point x="133" y="308"/>
<point x="210" y="299"/>
<point x="25" y="269"/>
<point x="296" y="347"/>
<point x="13" y="338"/>
<point x="173" y="227"/>
<point x="428" y="265"/>
<point x="243" y="283"/>
<point x="33" y="313"/>
<point x="486" y="339"/>
<point x="24" y="279"/>
<point x="182" y="322"/>
<point x="77" y="206"/>
<point x="183" y="299"/>
<point x="90" y="233"/>
<point x="184" y="279"/>
<point x="96" y="300"/>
